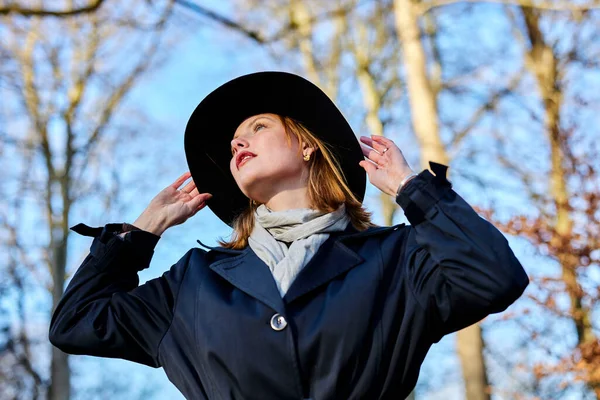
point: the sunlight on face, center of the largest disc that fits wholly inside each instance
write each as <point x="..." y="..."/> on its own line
<point x="275" y="164"/>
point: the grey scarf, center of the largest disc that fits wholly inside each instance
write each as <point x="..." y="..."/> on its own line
<point x="305" y="228"/>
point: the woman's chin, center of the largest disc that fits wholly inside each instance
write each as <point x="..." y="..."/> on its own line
<point x="255" y="187"/>
<point x="249" y="183"/>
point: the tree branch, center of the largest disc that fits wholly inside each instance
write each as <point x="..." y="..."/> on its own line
<point x="257" y="36"/>
<point x="110" y="105"/>
<point x="489" y="105"/>
<point x="42" y="12"/>
<point x="251" y="34"/>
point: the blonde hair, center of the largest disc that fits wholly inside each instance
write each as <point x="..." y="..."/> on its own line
<point x="327" y="188"/>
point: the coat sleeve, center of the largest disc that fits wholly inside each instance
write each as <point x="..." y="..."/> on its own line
<point x="460" y="267"/>
<point x="104" y="311"/>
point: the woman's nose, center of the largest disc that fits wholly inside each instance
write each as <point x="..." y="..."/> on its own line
<point x="238" y="143"/>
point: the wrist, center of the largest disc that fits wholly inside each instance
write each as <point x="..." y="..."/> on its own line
<point x="151" y="224"/>
<point x="405" y="181"/>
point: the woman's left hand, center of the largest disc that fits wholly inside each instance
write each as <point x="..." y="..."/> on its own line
<point x="385" y="170"/>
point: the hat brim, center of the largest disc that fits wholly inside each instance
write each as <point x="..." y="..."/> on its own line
<point x="212" y="125"/>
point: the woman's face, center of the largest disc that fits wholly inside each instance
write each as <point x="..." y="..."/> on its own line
<point x="275" y="166"/>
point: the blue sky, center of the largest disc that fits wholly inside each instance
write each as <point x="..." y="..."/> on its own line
<point x="202" y="59"/>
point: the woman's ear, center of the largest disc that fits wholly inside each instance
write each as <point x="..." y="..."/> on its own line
<point x="307" y="149"/>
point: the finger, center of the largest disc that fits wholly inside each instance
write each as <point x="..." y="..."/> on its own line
<point x="200" y="199"/>
<point x="383" y="140"/>
<point x="188" y="188"/>
<point x="368" y="166"/>
<point x="379" y="147"/>
<point x="200" y="207"/>
<point x="386" y="143"/>
<point x="372" y="154"/>
<point x="196" y="202"/>
<point x="389" y="144"/>
<point x="194" y="192"/>
<point x="180" y="180"/>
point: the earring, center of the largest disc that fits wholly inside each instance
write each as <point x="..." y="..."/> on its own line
<point x="306" y="157"/>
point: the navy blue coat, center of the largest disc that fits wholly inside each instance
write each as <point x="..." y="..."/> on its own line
<point x="356" y="323"/>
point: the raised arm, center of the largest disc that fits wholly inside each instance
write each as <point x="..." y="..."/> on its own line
<point x="460" y="267"/>
<point x="104" y="311"/>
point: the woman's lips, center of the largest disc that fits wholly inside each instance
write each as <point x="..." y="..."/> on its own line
<point x="245" y="160"/>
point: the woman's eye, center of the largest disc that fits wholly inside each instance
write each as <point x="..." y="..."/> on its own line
<point x="259" y="125"/>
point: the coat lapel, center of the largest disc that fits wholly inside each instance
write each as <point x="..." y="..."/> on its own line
<point x="251" y="275"/>
<point x="333" y="259"/>
<point x="246" y="271"/>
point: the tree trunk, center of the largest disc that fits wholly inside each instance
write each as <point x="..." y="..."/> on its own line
<point x="372" y="102"/>
<point x="59" y="388"/>
<point x="470" y="347"/>
<point x="422" y="100"/>
<point x="423" y="106"/>
<point x="542" y="62"/>
<point x="60" y="374"/>
<point x="56" y="68"/>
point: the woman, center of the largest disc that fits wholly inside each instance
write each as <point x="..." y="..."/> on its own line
<point x="309" y="300"/>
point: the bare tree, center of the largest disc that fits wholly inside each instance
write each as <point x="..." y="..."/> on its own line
<point x="561" y="182"/>
<point x="423" y="90"/>
<point x="65" y="81"/>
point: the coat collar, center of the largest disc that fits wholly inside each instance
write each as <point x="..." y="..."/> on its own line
<point x="246" y="271"/>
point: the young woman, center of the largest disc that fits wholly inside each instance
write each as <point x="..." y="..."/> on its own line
<point x="309" y="299"/>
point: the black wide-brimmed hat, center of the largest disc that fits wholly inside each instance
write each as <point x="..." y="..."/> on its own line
<point x="211" y="127"/>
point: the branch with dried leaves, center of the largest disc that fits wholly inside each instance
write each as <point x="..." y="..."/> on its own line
<point x="566" y="5"/>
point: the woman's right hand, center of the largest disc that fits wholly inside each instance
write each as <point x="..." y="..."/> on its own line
<point x="172" y="206"/>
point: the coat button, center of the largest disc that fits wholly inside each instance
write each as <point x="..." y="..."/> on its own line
<point x="278" y="322"/>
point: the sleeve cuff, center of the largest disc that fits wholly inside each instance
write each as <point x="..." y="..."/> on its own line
<point x="140" y="243"/>
<point x="144" y="239"/>
<point x="423" y="192"/>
